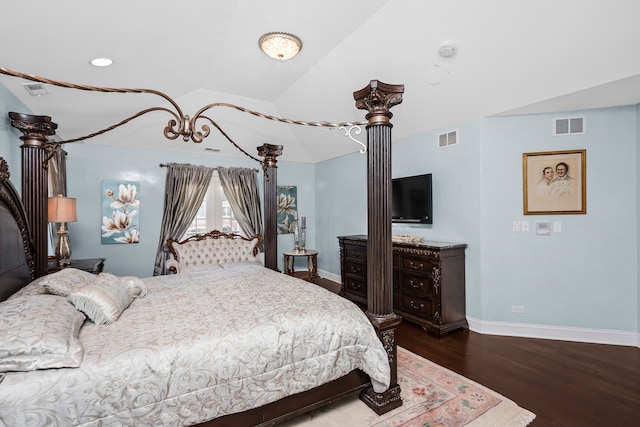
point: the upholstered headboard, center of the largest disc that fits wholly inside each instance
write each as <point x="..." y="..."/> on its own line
<point x="17" y="266"/>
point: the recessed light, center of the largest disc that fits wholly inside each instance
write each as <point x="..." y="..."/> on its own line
<point x="101" y="62"/>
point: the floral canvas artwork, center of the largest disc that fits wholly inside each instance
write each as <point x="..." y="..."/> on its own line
<point x="287" y="208"/>
<point x="120" y="212"/>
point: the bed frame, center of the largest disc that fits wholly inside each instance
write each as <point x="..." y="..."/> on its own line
<point x="26" y="219"/>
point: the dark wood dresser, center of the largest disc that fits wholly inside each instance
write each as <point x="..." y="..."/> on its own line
<point x="428" y="281"/>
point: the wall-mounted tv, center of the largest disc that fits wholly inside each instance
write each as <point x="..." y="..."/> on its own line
<point x="411" y="199"/>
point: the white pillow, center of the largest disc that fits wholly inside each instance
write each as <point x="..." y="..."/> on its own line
<point x="39" y="332"/>
<point x="66" y="281"/>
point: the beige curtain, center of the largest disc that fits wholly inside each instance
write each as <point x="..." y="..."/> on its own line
<point x="185" y="188"/>
<point x="240" y="185"/>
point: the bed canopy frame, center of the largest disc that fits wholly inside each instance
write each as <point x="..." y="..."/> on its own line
<point x="377" y="98"/>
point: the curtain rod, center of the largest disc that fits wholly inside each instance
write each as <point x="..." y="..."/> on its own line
<point x="162" y="165"/>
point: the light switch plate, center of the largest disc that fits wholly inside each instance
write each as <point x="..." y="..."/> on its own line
<point x="524" y="226"/>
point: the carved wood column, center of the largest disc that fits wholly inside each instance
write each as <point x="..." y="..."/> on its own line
<point x="378" y="98"/>
<point x="35" y="184"/>
<point x="270" y="153"/>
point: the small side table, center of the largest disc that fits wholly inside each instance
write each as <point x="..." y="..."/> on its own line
<point x="93" y="265"/>
<point x="312" y="264"/>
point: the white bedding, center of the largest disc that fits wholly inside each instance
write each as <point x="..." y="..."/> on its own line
<point x="199" y="346"/>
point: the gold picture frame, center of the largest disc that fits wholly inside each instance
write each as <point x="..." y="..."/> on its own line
<point x="555" y="182"/>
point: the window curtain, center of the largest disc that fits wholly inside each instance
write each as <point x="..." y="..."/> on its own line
<point x="185" y="188"/>
<point x="240" y="185"/>
<point x="57" y="177"/>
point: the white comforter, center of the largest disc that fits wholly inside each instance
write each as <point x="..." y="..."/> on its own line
<point x="200" y="346"/>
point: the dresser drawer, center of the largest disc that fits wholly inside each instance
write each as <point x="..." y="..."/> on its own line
<point x="418" y="284"/>
<point x="417" y="306"/>
<point x="355" y="269"/>
<point x="355" y="286"/>
<point x="356" y="253"/>
<point x="417" y="265"/>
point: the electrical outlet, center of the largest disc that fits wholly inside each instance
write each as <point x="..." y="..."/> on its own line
<point x="517" y="309"/>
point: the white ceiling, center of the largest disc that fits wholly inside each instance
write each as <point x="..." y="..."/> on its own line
<point x="514" y="57"/>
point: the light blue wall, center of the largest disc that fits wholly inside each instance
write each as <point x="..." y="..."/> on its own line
<point x="89" y="164"/>
<point x="10" y="136"/>
<point x="585" y="276"/>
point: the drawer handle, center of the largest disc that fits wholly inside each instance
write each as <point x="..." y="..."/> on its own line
<point x="416" y="267"/>
<point x="414" y="285"/>
<point x="355" y="269"/>
<point x="415" y="307"/>
<point x="355" y="286"/>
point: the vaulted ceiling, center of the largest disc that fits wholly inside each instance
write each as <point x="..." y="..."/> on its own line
<point x="513" y="57"/>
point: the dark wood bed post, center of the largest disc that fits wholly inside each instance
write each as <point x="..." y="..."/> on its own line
<point x="35" y="184"/>
<point x="378" y="98"/>
<point x="270" y="168"/>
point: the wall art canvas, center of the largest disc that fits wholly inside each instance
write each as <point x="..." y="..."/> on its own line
<point x="555" y="182"/>
<point x="120" y="212"/>
<point x="287" y="208"/>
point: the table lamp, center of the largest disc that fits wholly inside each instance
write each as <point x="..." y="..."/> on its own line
<point x="62" y="210"/>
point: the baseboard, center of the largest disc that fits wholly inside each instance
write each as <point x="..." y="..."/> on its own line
<point x="562" y="333"/>
<point x="327" y="275"/>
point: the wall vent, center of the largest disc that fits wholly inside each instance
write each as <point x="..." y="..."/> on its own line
<point x="448" y="139"/>
<point x="35" y="89"/>
<point x="569" y="126"/>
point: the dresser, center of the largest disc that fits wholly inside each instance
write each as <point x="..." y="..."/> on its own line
<point x="428" y="281"/>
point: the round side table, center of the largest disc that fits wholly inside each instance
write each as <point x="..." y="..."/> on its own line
<point x="312" y="264"/>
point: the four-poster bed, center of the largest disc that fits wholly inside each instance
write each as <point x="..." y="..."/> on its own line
<point x="377" y="98"/>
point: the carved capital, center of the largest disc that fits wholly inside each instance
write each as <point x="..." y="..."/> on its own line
<point x="35" y="129"/>
<point x="270" y="152"/>
<point x="378" y="98"/>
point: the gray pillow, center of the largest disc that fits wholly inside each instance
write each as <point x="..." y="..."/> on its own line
<point x="104" y="300"/>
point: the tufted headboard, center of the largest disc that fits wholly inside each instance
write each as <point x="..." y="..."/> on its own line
<point x="212" y="249"/>
<point x="17" y="265"/>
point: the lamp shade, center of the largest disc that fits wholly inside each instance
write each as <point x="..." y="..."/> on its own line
<point x="62" y="209"/>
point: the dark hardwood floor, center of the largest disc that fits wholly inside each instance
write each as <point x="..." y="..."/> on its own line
<point x="566" y="384"/>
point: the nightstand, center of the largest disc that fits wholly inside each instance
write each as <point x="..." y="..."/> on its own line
<point x="92" y="265"/>
<point x="312" y="264"/>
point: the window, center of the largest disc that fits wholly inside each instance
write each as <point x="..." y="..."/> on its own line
<point x="215" y="212"/>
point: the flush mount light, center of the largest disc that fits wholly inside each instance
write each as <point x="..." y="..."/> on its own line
<point x="101" y="62"/>
<point x="280" y="46"/>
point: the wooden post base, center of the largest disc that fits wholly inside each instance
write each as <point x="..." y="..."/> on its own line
<point x="381" y="403"/>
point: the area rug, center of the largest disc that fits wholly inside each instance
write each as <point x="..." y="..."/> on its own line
<point x="432" y="396"/>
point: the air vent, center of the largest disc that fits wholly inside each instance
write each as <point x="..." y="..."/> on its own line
<point x="569" y="126"/>
<point x="448" y="139"/>
<point x="35" y="89"/>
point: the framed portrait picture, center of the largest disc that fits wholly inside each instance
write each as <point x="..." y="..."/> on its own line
<point x="555" y="182"/>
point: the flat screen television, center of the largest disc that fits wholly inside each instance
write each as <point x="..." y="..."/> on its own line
<point x="411" y="199"/>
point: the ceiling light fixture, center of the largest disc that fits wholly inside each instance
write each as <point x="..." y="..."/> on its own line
<point x="280" y="46"/>
<point x="101" y="62"/>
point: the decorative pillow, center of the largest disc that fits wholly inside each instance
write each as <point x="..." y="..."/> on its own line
<point x="135" y="286"/>
<point x="66" y="281"/>
<point x="103" y="301"/>
<point x="39" y="332"/>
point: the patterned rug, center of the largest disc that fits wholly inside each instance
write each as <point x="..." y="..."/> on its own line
<point x="432" y="397"/>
